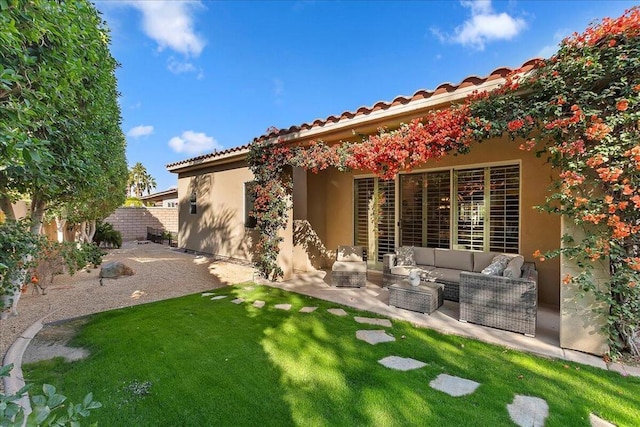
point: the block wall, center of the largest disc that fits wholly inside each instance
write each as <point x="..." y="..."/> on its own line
<point x="133" y="222"/>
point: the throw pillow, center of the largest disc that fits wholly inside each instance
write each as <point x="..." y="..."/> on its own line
<point x="404" y="256"/>
<point x="497" y="266"/>
<point x="514" y="268"/>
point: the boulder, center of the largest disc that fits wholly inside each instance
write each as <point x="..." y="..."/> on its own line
<point x="113" y="270"/>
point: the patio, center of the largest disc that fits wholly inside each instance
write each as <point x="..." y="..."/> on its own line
<point x="375" y="299"/>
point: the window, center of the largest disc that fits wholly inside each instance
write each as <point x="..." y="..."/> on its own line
<point x="192" y="203"/>
<point x="250" y="221"/>
<point x="375" y="200"/>
<point x="476" y="209"/>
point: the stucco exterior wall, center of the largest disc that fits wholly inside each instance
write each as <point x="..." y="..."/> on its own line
<point x="217" y="227"/>
<point x="330" y="206"/>
<point x="132" y="222"/>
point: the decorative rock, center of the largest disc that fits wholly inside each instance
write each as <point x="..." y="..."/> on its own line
<point x="596" y="421"/>
<point x="258" y="304"/>
<point x="218" y="297"/>
<point x="374" y="337"/>
<point x="527" y="411"/>
<point x="454" y="386"/>
<point x="308" y="309"/>
<point x="285" y="307"/>
<point x="238" y="301"/>
<point x="113" y="270"/>
<point x="401" y="363"/>
<point x="337" y="311"/>
<point x="207" y="294"/>
<point x="372" y="321"/>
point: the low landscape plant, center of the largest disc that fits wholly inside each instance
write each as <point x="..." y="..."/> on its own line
<point x="47" y="409"/>
<point x="107" y="235"/>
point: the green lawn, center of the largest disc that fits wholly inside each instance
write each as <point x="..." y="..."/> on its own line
<point x="195" y="362"/>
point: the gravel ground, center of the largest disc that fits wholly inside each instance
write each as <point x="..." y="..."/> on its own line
<point x="160" y="273"/>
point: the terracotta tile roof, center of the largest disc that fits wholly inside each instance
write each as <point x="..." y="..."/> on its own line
<point x="470" y="81"/>
<point x="216" y="153"/>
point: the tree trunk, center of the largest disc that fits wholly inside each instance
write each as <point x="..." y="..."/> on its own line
<point x="91" y="231"/>
<point x="61" y="223"/>
<point x="82" y="233"/>
<point x="38" y="207"/>
<point x="7" y="208"/>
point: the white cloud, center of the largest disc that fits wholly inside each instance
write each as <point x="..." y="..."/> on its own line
<point x="170" y="24"/>
<point x="278" y="87"/>
<point x="484" y="26"/>
<point x="549" y="50"/>
<point x="138" y="131"/>
<point x="191" y="142"/>
<point x="180" y="67"/>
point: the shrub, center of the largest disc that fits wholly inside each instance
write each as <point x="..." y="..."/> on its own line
<point x="133" y="202"/>
<point x="106" y="234"/>
<point x="50" y="408"/>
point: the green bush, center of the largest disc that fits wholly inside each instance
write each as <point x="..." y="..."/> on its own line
<point x="107" y="235"/>
<point x="133" y="202"/>
<point x="50" y="408"/>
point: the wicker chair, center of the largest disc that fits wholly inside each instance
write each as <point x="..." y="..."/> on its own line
<point x="350" y="267"/>
<point x="501" y="302"/>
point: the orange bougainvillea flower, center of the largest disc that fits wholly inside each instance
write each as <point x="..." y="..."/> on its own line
<point x="34" y="280"/>
<point x="567" y="279"/>
<point x="622" y="105"/>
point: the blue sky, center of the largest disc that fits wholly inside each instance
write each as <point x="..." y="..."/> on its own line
<point x="198" y="76"/>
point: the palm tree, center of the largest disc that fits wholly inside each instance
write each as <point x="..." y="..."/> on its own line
<point x="140" y="181"/>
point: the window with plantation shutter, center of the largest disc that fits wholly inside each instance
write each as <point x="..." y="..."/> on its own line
<point x="364" y="189"/>
<point x="438" y="209"/>
<point x="386" y="222"/>
<point x="470" y="214"/>
<point x="504" y="209"/>
<point x="411" y="212"/>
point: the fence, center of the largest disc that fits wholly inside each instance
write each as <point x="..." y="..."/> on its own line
<point x="133" y="222"/>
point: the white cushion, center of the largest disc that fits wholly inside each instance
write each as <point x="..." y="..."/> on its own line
<point x="514" y="268"/>
<point x="351" y="266"/>
<point x="349" y="253"/>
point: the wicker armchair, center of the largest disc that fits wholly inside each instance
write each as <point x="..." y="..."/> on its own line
<point x="350" y="267"/>
<point x="501" y="302"/>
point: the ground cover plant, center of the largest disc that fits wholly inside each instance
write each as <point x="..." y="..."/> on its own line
<point x="194" y="361"/>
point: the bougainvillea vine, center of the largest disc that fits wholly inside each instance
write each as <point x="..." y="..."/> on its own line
<point x="581" y="108"/>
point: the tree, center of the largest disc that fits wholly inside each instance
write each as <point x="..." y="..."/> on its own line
<point x="60" y="137"/>
<point x="140" y="181"/>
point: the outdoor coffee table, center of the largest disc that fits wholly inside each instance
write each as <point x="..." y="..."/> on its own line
<point x="424" y="298"/>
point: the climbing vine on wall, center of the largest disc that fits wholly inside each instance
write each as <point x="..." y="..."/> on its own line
<point x="580" y="108"/>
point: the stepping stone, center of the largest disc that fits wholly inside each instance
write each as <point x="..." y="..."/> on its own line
<point x="401" y="363"/>
<point x="285" y="307"/>
<point x="218" y="297"/>
<point x="596" y="421"/>
<point x="528" y="411"/>
<point x="258" y="304"/>
<point x="337" y="311"/>
<point x="372" y="321"/>
<point x="454" y="386"/>
<point x="207" y="294"/>
<point x="374" y="337"/>
<point x="308" y="309"/>
<point x="238" y="301"/>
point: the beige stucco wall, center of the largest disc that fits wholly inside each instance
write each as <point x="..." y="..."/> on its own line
<point x="218" y="225"/>
<point x="330" y="206"/>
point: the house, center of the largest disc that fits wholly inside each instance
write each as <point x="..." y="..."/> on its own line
<point x="440" y="204"/>
<point x="164" y="199"/>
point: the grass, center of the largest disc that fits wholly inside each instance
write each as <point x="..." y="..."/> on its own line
<point x="193" y="362"/>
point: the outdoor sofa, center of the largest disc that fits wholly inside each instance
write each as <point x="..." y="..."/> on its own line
<point x="493" y="300"/>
